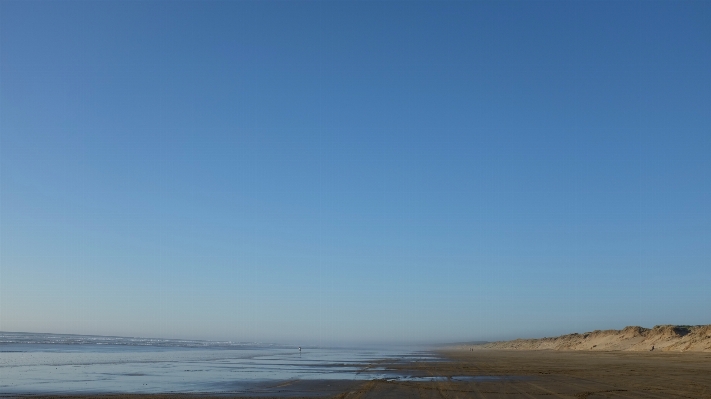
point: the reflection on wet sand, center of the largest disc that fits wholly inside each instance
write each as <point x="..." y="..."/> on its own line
<point x="522" y="375"/>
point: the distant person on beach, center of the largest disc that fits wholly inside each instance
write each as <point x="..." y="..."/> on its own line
<point x="652" y="348"/>
<point x="299" y="349"/>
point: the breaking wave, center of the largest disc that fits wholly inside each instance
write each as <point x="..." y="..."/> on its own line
<point x="71" y="339"/>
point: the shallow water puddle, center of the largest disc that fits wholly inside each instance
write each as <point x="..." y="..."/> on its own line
<point x="456" y="378"/>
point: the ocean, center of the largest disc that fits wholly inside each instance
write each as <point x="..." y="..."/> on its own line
<point x="32" y="363"/>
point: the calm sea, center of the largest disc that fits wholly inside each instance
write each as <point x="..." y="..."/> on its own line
<point x="59" y="364"/>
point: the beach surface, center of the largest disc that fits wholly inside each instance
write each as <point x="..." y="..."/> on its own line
<point x="508" y="374"/>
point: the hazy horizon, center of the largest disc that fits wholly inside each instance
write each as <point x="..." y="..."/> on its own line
<point x="354" y="172"/>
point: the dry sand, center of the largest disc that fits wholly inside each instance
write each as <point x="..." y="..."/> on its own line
<point x="518" y="374"/>
<point x="661" y="338"/>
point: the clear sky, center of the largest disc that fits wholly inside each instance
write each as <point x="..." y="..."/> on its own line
<point x="334" y="172"/>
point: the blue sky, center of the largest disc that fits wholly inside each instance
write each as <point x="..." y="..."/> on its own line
<point x="342" y="172"/>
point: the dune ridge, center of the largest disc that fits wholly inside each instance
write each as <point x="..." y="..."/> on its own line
<point x="632" y="338"/>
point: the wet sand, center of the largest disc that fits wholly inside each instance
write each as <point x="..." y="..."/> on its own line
<point x="511" y="375"/>
<point x="553" y="374"/>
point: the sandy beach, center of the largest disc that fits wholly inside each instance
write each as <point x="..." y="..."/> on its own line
<point x="514" y="374"/>
<point x="553" y="374"/>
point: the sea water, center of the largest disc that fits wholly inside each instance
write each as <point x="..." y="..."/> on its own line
<point x="59" y="364"/>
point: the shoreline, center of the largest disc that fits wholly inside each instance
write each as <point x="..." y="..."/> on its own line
<point x="491" y="373"/>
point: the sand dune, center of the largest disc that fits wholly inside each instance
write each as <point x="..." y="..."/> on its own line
<point x="662" y="338"/>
